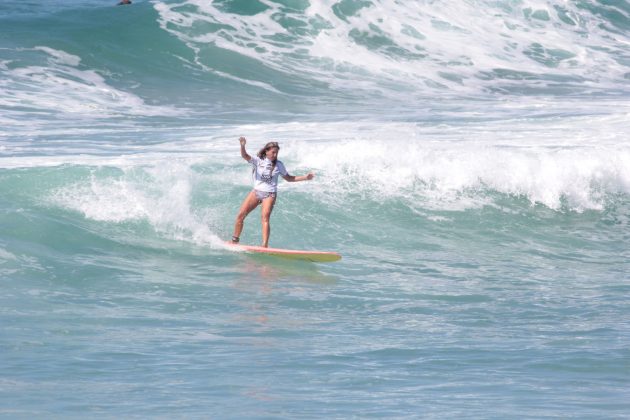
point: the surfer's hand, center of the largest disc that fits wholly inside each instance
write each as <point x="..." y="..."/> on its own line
<point x="243" y="141"/>
<point x="310" y="176"/>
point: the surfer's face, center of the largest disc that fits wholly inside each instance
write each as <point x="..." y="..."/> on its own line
<point x="272" y="153"/>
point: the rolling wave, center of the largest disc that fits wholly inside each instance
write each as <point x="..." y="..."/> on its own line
<point x="186" y="57"/>
<point x="387" y="47"/>
<point x="424" y="172"/>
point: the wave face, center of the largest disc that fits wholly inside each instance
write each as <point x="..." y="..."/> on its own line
<point x="214" y="58"/>
<point x="393" y="47"/>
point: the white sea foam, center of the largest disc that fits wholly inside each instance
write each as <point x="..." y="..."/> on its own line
<point x="442" y="177"/>
<point x="160" y="195"/>
<point x="464" y="47"/>
<point x="60" y="57"/>
<point x="6" y="256"/>
<point x="577" y="162"/>
<point x="62" y="86"/>
<point x="556" y="163"/>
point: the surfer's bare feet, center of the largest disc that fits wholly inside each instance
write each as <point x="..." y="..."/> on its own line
<point x="235" y="239"/>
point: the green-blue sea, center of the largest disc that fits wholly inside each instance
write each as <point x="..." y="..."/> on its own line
<point x="472" y="167"/>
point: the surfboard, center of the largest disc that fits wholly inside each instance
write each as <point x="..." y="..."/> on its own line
<point x="313" y="256"/>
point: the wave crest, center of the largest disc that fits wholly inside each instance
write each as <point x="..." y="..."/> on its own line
<point x="389" y="46"/>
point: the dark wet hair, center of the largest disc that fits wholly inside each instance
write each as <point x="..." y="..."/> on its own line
<point x="263" y="152"/>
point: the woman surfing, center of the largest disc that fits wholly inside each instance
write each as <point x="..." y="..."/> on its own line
<point x="265" y="170"/>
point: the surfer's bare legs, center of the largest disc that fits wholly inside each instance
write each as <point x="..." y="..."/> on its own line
<point x="267" y="208"/>
<point x="249" y="204"/>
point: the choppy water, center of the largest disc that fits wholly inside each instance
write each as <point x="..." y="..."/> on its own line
<point x="473" y="169"/>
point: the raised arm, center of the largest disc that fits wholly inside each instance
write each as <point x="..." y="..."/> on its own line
<point x="243" y="152"/>
<point x="306" y="177"/>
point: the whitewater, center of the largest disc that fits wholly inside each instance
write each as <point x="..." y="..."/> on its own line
<point x="472" y="167"/>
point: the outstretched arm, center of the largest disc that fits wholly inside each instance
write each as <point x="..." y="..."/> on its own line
<point x="306" y="177"/>
<point x="243" y="152"/>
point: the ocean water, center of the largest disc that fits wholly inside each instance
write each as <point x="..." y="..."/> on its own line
<point x="472" y="164"/>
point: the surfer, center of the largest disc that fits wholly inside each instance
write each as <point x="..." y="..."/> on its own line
<point x="265" y="171"/>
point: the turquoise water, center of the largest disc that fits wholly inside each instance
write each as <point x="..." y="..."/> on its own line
<point x="472" y="167"/>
